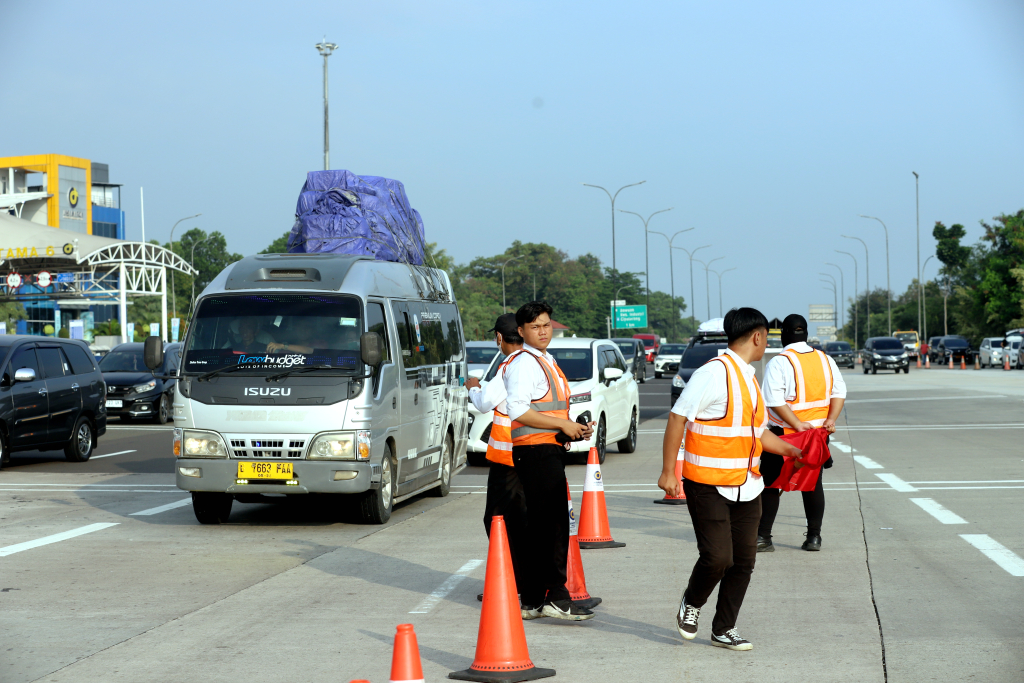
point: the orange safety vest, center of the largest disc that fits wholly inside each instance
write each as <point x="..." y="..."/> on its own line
<point x="499" y="443"/>
<point x="720" y="452"/>
<point x="813" y="388"/>
<point x="554" y="403"/>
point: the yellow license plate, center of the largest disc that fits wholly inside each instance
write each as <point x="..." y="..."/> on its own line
<point x="265" y="470"/>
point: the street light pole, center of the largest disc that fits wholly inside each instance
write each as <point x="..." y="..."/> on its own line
<point x="707" y="280"/>
<point x="835" y="299"/>
<point x="672" y="273"/>
<point x="917" y="211"/>
<point x="924" y="301"/>
<point x="842" y="293"/>
<point x="647" y="261"/>
<point x="856" y="332"/>
<point x="615" y="307"/>
<point x="690" y="254"/>
<point x="612" y="198"/>
<point x="192" y="262"/>
<point x="720" y="288"/>
<point x="503" y="308"/>
<point x="888" y="288"/>
<point x="867" y="280"/>
<point x="174" y="305"/>
<point x="325" y="50"/>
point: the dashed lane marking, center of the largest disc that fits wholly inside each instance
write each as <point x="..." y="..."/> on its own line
<point x="937" y="511"/>
<point x="895" y="482"/>
<point x="447" y="587"/>
<point x="923" y="398"/>
<point x="162" y="508"/>
<point x="111" y="455"/>
<point x="55" y="538"/>
<point x="997" y="552"/>
<point x="867" y="462"/>
<point x="920" y="428"/>
<point x="843" y="448"/>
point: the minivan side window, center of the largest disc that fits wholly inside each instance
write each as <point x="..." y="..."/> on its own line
<point x="403" y="325"/>
<point x="81" y="362"/>
<point x="375" y="322"/>
<point x="25" y="357"/>
<point x="52" y="361"/>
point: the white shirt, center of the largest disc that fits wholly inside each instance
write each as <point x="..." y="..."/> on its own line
<point x="525" y="381"/>
<point x="706" y="397"/>
<point x="490" y="396"/>
<point x="780" y="380"/>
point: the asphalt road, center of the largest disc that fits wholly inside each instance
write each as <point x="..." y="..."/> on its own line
<point x="106" y="576"/>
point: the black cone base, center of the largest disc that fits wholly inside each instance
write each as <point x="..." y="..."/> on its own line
<point x="671" y="501"/>
<point x="501" y="676"/>
<point x="588" y="603"/>
<point x="593" y="545"/>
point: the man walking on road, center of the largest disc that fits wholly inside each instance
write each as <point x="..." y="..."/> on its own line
<point x="721" y="415"/>
<point x="538" y="406"/>
<point x="803" y="389"/>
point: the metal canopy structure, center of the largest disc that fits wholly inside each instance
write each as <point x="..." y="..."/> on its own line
<point x="61" y="264"/>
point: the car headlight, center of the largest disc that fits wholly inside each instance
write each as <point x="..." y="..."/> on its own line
<point x="191" y="443"/>
<point x="341" y="446"/>
<point x="472" y="418"/>
<point x="903" y="355"/>
<point x="876" y="356"/>
<point x="143" y="388"/>
<point x="677" y="381"/>
<point x="580" y="398"/>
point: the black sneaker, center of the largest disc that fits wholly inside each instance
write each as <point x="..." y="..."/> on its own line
<point x="764" y="545"/>
<point x="686" y="620"/>
<point x="813" y="542"/>
<point x="566" y="609"/>
<point x="731" y="639"/>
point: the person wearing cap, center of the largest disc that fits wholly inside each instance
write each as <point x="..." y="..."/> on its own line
<point x="719" y="423"/>
<point x="505" y="495"/>
<point x="803" y="389"/>
<point x="538" y="408"/>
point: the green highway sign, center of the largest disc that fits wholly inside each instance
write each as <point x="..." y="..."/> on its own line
<point x="630" y="316"/>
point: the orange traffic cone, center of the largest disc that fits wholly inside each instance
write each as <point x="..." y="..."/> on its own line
<point x="681" y="498"/>
<point x="951" y="362"/>
<point x="919" y="361"/>
<point x="927" y="362"/>
<point x="1006" y="361"/>
<point x="594" y="530"/>
<point x="576" y="581"/>
<point x="501" y="652"/>
<point x="963" y="365"/>
<point x="405" y="662"/>
<point x="977" y="362"/>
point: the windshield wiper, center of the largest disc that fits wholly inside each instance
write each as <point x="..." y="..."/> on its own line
<point x="230" y="368"/>
<point x="296" y="371"/>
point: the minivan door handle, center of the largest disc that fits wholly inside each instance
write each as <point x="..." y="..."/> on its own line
<point x="42" y="392"/>
<point x="74" y="386"/>
<point x="415" y="399"/>
<point x="394" y="402"/>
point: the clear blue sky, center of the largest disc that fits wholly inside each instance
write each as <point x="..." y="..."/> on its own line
<point x="767" y="126"/>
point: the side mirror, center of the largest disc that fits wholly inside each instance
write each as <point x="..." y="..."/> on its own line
<point x="371" y="348"/>
<point x="479" y="374"/>
<point x="24" y="375"/>
<point x="153" y="352"/>
<point x="612" y="373"/>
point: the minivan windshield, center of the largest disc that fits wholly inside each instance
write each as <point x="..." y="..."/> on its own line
<point x="124" y="361"/>
<point x="699" y="355"/>
<point x="887" y="343"/>
<point x="671" y="349"/>
<point x="837" y="346"/>
<point x="274" y="332"/>
<point x="955" y="343"/>
<point x="478" y="355"/>
<point x="577" y="364"/>
<point x="907" y="337"/>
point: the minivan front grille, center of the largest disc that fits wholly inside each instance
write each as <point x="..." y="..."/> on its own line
<point x="270" y="446"/>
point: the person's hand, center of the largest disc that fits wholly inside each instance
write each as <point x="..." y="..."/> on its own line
<point x="575" y="431"/>
<point x="472" y="383"/>
<point x="275" y="346"/>
<point x="803" y="426"/>
<point x="829" y="425"/>
<point x="795" y="453"/>
<point x="668" y="483"/>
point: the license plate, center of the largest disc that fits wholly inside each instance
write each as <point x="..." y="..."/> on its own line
<point x="111" y="403"/>
<point x="265" y="470"/>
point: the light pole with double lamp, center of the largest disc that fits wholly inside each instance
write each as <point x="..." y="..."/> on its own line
<point x="924" y="302"/>
<point x="174" y="305"/>
<point x="690" y="254"/>
<point x="647" y="260"/>
<point x="831" y="285"/>
<point x="842" y="294"/>
<point x="917" y="213"/>
<point x="707" y="280"/>
<point x="325" y="50"/>
<point x="720" y="274"/>
<point x="615" y="308"/>
<point x="856" y="336"/>
<point x="867" y="282"/>
<point x="612" y="198"/>
<point x="888" y="288"/>
<point x="192" y="262"/>
<point x="503" y="308"/>
<point x="672" y="273"/>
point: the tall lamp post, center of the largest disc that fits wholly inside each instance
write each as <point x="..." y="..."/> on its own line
<point x="325" y="50"/>
<point x="503" y="309"/>
<point x="720" y="274"/>
<point x="690" y="254"/>
<point x="647" y="260"/>
<point x="174" y="305"/>
<point x="842" y="294"/>
<point x="615" y="308"/>
<point x="867" y="280"/>
<point x="856" y="332"/>
<point x="192" y="262"/>
<point x="707" y="279"/>
<point x="612" y="198"/>
<point x="917" y="213"/>
<point x="835" y="307"/>
<point x="888" y="288"/>
<point x="831" y="285"/>
<point x="672" y="273"/>
<point x="924" y="302"/>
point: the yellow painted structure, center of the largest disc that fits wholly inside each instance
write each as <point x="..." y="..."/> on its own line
<point x="50" y="165"/>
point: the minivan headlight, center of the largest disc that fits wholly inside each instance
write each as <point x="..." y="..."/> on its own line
<point x="340" y="446"/>
<point x="677" y="381"/>
<point x="197" y="444"/>
<point x="579" y="398"/>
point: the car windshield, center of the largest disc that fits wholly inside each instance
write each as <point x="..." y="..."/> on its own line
<point x="672" y="350"/>
<point x="837" y="346"/>
<point x="274" y="332"/>
<point x="887" y="344"/>
<point x="480" y="354"/>
<point x="1016" y="345"/>
<point x="648" y="343"/>
<point x="493" y="370"/>
<point x="576" y="364"/>
<point x="124" y="361"/>
<point x="699" y="355"/>
<point x="907" y="337"/>
<point x="774" y="343"/>
<point x="628" y="350"/>
<point x="954" y="343"/>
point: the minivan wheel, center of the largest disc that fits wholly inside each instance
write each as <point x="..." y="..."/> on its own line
<point x="163" y="411"/>
<point x="445" y="486"/>
<point x="5" y="455"/>
<point x="628" y="445"/>
<point x="865" y="368"/>
<point x="602" y="440"/>
<point x="211" y="508"/>
<point x="375" y="505"/>
<point x="79" y="448"/>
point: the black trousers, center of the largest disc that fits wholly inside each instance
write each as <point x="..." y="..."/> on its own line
<point x="546" y="543"/>
<point x="727" y="542"/>
<point x="505" y="497"/>
<point x="814" y="501"/>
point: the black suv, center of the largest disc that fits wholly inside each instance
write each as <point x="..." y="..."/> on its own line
<point x="132" y="389"/>
<point x="841" y="353"/>
<point x="953" y="346"/>
<point x="51" y="397"/>
<point x="636" y="357"/>
<point x="695" y="356"/>
<point x="884" y="353"/>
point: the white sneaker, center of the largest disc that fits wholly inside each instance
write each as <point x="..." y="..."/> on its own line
<point x="567" y="610"/>
<point x="731" y="639"/>
<point x="529" y="612"/>
<point x="686" y="620"/>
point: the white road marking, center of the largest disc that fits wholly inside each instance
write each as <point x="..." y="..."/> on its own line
<point x="942" y="427"/>
<point x="96" y="485"/>
<point x="47" y="540"/>
<point x="923" y="398"/>
<point x="937" y="511"/>
<point x="162" y="508"/>
<point x="111" y="455"/>
<point x="6" y="490"/>
<point x="140" y="429"/>
<point x="895" y="482"/>
<point x="867" y="462"/>
<point x="447" y="587"/>
<point x="997" y="552"/>
<point x="843" y="448"/>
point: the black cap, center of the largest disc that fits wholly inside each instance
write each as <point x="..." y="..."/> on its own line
<point x="506" y="325"/>
<point x="794" y="329"/>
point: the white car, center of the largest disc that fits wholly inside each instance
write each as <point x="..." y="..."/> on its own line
<point x="667" y="360"/>
<point x="598" y="383"/>
<point x="480" y="353"/>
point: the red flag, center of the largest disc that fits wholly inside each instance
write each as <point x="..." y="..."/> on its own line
<point x="813" y="454"/>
